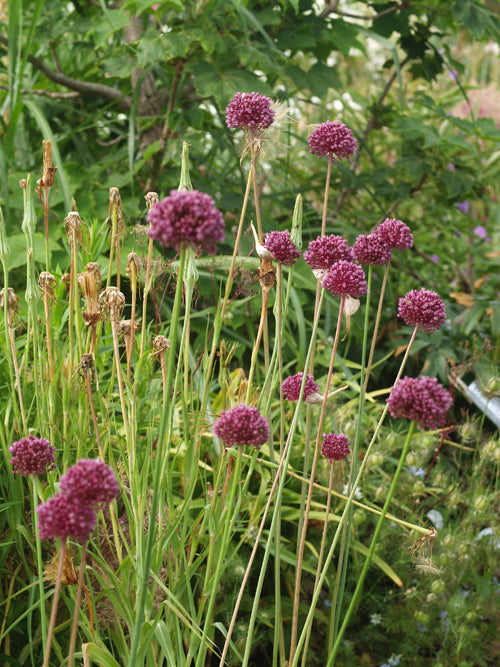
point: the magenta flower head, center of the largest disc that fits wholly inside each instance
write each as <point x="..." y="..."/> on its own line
<point x="345" y="278"/>
<point x="32" y="456"/>
<point x="280" y="245"/>
<point x="90" y="482"/>
<point x="335" y="446"/>
<point x="332" y="138"/>
<point x="424" y="309"/>
<point x="371" y="249"/>
<point x="395" y="234"/>
<point x="422" y="399"/>
<point x="249" y="111"/>
<point x="186" y="218"/>
<point x="291" y="387"/>
<point x="61" y="517"/>
<point x="326" y="250"/>
<point x="242" y="425"/>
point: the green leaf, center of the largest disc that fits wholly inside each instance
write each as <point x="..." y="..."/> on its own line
<point x="210" y="82"/>
<point x="478" y="20"/>
<point x="113" y="20"/>
<point x="455" y="182"/>
<point x="17" y="244"/>
<point x="343" y="36"/>
<point x="321" y="78"/>
<point x="159" y="48"/>
<point x="99" y="654"/>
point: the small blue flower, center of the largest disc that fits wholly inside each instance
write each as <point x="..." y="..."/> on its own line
<point x="418" y="472"/>
<point x="463" y="206"/>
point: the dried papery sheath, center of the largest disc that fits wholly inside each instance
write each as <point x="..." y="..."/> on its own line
<point x="12" y="304"/>
<point x="133" y="265"/>
<point x="261" y="251"/>
<point x="88" y="283"/>
<point x="47" y="283"/>
<point x="160" y="344"/>
<point x="113" y="302"/>
<point x="74" y="224"/>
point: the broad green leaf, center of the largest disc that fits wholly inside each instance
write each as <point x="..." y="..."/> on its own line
<point x="159" y="48"/>
<point x="343" y="36"/>
<point x="321" y="78"/>
<point x="113" y="20"/>
<point x="210" y="82"/>
<point x="100" y="655"/>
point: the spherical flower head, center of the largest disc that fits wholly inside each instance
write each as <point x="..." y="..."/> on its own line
<point x="395" y="234"/>
<point x="326" y="250"/>
<point x="61" y="517"/>
<point x="424" y="309"/>
<point x="334" y="139"/>
<point x="371" y="249"/>
<point x="249" y="111"/>
<point x="422" y="399"/>
<point x="345" y="278"/>
<point x="335" y="446"/>
<point x="280" y="245"/>
<point x="90" y="482"/>
<point x="242" y="425"/>
<point x="32" y="456"/>
<point x="291" y="387"/>
<point x="186" y="217"/>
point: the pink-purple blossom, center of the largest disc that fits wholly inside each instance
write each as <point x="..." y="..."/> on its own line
<point x="242" y="425"/>
<point x="334" y="139"/>
<point x="345" y="278"/>
<point x="371" y="249"/>
<point x="32" y="456"/>
<point x="463" y="206"/>
<point x="281" y="246"/>
<point x="480" y="232"/>
<point x="187" y="218"/>
<point x="250" y="111"/>
<point x="335" y="446"/>
<point x="326" y="250"/>
<point x="395" y="233"/>
<point x="63" y="517"/>
<point x="422" y="399"/>
<point x="90" y="482"/>
<point x="292" y="384"/>
<point x="424" y="309"/>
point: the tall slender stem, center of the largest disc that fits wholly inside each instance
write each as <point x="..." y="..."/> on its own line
<point x="78" y="600"/>
<point x="55" y="602"/>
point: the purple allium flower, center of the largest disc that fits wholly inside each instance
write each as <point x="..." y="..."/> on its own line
<point x="281" y="247"/>
<point x="463" y="206"/>
<point x="345" y="278"/>
<point x="32" y="456"/>
<point x="451" y="166"/>
<point x="332" y="138"/>
<point x="424" y="309"/>
<point x="335" y="446"/>
<point x="480" y="232"/>
<point x="61" y="517"/>
<point x="250" y="111"/>
<point x="435" y="258"/>
<point x="395" y="233"/>
<point x="90" y="482"/>
<point x="422" y="399"/>
<point x="291" y="386"/>
<point x="326" y="250"/>
<point x="371" y="249"/>
<point x="186" y="217"/>
<point x="242" y="425"/>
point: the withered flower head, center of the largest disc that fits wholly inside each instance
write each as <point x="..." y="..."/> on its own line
<point x="12" y="303"/>
<point x="113" y="302"/>
<point x="47" y="283"/>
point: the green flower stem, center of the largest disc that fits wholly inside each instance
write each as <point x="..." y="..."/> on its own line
<point x="78" y="600"/>
<point x="39" y="561"/>
<point x="362" y="576"/>
<point x="163" y="437"/>
<point x="255" y="351"/>
<point x="377" y="323"/>
<point x="325" y="199"/>
<point x="343" y="518"/>
<point x="55" y="602"/>
<point x="300" y="555"/>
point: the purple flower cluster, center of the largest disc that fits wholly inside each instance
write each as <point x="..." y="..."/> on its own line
<point x="242" y="425"/>
<point x="249" y="111"/>
<point x="424" y="309"/>
<point x="32" y="456"/>
<point x="326" y="250"/>
<point x="291" y="386"/>
<point x="371" y="249"/>
<point x="345" y="278"/>
<point x="280" y="245"/>
<point x="335" y="446"/>
<point x="85" y="487"/>
<point x="422" y="399"/>
<point x="187" y="218"/>
<point x="395" y="234"/>
<point x="332" y="138"/>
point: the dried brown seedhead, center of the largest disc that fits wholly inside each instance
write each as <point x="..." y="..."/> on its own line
<point x="89" y="283"/>
<point x="113" y="302"/>
<point x="69" y="574"/>
<point x="160" y="344"/>
<point x="74" y="228"/>
<point x="47" y="283"/>
<point x="12" y="304"/>
<point x="151" y="199"/>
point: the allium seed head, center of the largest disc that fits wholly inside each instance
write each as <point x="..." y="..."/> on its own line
<point x="32" y="456"/>
<point x="395" y="234"/>
<point x="422" y="399"/>
<point x="335" y="446"/>
<point x="291" y="387"/>
<point x="281" y="247"/>
<point x="90" y="482"/>
<point x="424" y="309"/>
<point x="242" y="425"/>
<point x="371" y="249"/>
<point x="61" y="517"/>
<point x="187" y="217"/>
<point x="345" y="278"/>
<point x="326" y="250"/>
<point x="332" y="138"/>
<point x="249" y="111"/>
